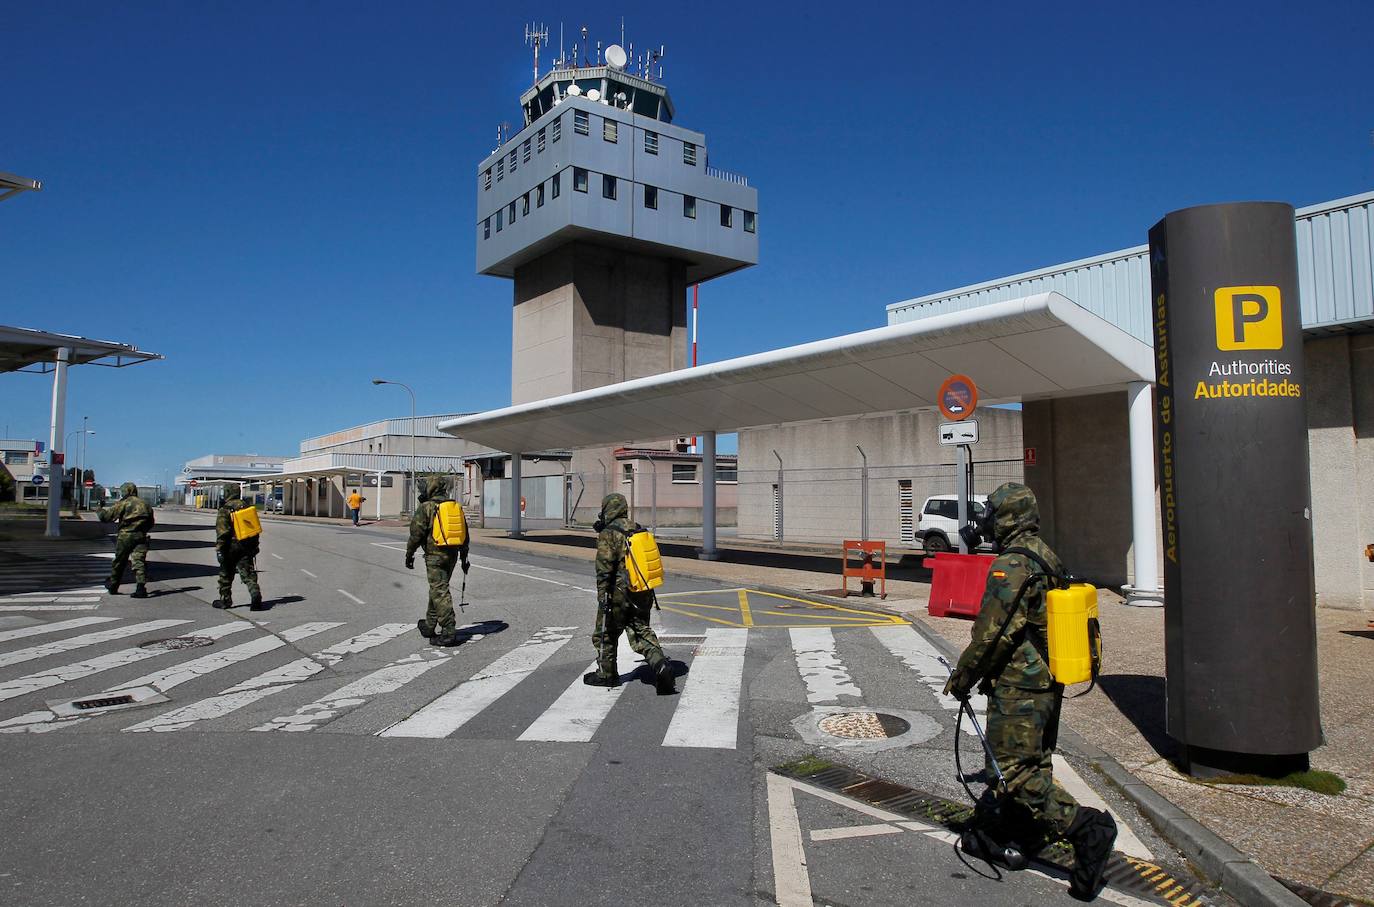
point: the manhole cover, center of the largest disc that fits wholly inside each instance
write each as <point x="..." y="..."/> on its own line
<point x="172" y="643"/>
<point x="864" y="725"/>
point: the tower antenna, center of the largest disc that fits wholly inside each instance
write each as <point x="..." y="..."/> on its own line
<point x="536" y="35"/>
<point x="584" y="49"/>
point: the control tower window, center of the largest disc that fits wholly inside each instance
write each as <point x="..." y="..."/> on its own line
<point x="486" y="234"/>
<point x="579" y="180"/>
<point x="689" y="206"/>
<point x="727" y="215"/>
<point x="581" y="122"/>
<point x="557" y="181"/>
<point x="650" y="142"/>
<point x="526" y="151"/>
<point x="539" y="196"/>
<point x="525" y="211"/>
<point x="498" y="221"/>
<point x="510" y="161"/>
<point x="510" y="213"/>
<point x="557" y="129"/>
<point x="500" y="170"/>
<point x="749" y="225"/>
<point x="541" y="140"/>
<point x="651" y="197"/>
<point x="689" y="154"/>
<point x="486" y="180"/>
<point x="607" y="186"/>
<point x="610" y="130"/>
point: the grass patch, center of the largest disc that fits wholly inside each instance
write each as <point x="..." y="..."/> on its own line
<point x="807" y="765"/>
<point x="1318" y="781"/>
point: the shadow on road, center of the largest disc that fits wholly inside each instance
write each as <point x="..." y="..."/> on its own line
<point x="269" y="603"/>
<point x="158" y="593"/>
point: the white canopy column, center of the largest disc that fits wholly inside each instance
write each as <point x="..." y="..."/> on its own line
<point x="1145" y="591"/>
<point x="708" y="497"/>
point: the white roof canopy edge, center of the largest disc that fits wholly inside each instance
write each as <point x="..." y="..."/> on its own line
<point x="1037" y="347"/>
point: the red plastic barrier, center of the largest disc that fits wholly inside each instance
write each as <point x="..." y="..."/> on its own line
<point x="957" y="583"/>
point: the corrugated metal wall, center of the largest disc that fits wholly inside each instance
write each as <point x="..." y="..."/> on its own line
<point x="1335" y="277"/>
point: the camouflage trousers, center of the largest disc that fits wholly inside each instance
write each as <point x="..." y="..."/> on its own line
<point x="131" y="548"/>
<point x="631" y="618"/>
<point x="241" y="561"/>
<point x="439" y="571"/>
<point x="1023" y="729"/>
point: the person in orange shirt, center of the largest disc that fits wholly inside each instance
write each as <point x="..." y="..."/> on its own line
<point x="355" y="505"/>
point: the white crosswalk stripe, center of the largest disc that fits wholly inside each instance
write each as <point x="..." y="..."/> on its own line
<point x="89" y="639"/>
<point x="56" y="627"/>
<point x="708" y="713"/>
<point x="577" y="714"/>
<point x="820" y="666"/>
<point x="920" y="655"/>
<point x="269" y="683"/>
<point x="330" y="706"/>
<point x="41" y="680"/>
<point x="466" y="701"/>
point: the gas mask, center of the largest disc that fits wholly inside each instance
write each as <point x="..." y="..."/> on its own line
<point x="980" y="529"/>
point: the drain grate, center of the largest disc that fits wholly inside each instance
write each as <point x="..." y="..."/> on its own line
<point x="666" y="640"/>
<point x="101" y="702"/>
<point x="112" y="701"/>
<point x="175" y="643"/>
<point x="1126" y="874"/>
<point x="864" y="725"/>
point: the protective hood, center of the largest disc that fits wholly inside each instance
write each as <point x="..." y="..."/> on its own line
<point x="231" y="492"/>
<point x="129" y="490"/>
<point x="614" y="507"/>
<point x="436" y="487"/>
<point x="1014" y="511"/>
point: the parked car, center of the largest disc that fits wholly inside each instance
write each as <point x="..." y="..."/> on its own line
<point x="938" y="528"/>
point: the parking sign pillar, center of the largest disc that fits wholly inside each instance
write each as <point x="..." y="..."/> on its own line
<point x="515" y="495"/>
<point x="708" y="496"/>
<point x="961" y="470"/>
<point x="53" y="529"/>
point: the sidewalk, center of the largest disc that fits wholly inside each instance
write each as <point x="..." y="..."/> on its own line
<point x="1325" y="842"/>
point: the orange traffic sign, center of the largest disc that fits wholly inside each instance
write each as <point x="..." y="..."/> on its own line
<point x="958" y="397"/>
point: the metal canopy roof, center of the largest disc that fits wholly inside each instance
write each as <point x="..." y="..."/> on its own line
<point x="1038" y="347"/>
<point x="27" y="350"/>
<point x="13" y="185"/>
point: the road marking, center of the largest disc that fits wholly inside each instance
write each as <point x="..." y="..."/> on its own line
<point x="745" y="614"/>
<point x="89" y="639"/>
<point x="575" y="716"/>
<point x="707" y="713"/>
<point x="540" y="579"/>
<point x="48" y="607"/>
<point x="351" y="596"/>
<point x="390" y="547"/>
<point x="277" y="556"/>
<point x="854" y="831"/>
<point x="464" y="702"/>
<point x="55" y="627"/>
<point x="41" y="680"/>
<point x="714" y="620"/>
<point x="921" y="656"/>
<point x="820" y="667"/>
<point x="308" y="573"/>
<point x="349" y="697"/>
<point x="268" y="683"/>
<point x="869" y="615"/>
<point x="1126" y="840"/>
<point x="168" y="678"/>
<point x="791" y="880"/>
<point x="702" y="592"/>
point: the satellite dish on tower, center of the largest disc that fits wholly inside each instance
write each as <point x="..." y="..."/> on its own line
<point x="574" y="89"/>
<point x="593" y="94"/>
<point x="615" y="56"/>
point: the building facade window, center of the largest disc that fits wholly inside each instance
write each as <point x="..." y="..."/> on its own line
<point x="651" y="197"/>
<point x="510" y="213"/>
<point x="539" y="196"/>
<point x="579" y="179"/>
<point x="728" y="474"/>
<point x="557" y="129"/>
<point x="526" y="149"/>
<point x="486" y="180"/>
<point x="727" y="215"/>
<point x="650" y="142"/>
<point x="627" y="472"/>
<point x="689" y="206"/>
<point x="498" y="221"/>
<point x="684" y="473"/>
<point x="581" y="122"/>
<point x="486" y="230"/>
<point x="557" y="179"/>
<point x="607" y="186"/>
<point x="689" y="154"/>
<point x="16" y="458"/>
<point x="510" y="161"/>
<point x="500" y="170"/>
<point x="610" y="130"/>
<point x="540" y="144"/>
<point x="750" y="225"/>
<point x="525" y="210"/>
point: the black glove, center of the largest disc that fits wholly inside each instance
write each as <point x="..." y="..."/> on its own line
<point x="466" y="568"/>
<point x="410" y="562"/>
<point x="603" y="599"/>
<point x="959" y="685"/>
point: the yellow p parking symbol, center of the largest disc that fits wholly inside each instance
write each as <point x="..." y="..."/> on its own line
<point x="1249" y="318"/>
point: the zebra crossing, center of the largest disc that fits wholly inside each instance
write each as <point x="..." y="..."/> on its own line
<point x="34" y="577"/>
<point x="440" y="691"/>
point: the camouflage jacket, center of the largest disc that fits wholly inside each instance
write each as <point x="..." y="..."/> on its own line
<point x="611" y="580"/>
<point x="133" y="515"/>
<point x="422" y="529"/>
<point x="1016" y="657"/>
<point x="224" y="525"/>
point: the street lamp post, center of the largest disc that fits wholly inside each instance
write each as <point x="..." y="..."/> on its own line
<point x="79" y="481"/>
<point x="85" y="494"/>
<point x="412" y="438"/>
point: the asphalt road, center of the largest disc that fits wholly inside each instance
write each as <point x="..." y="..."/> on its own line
<point x="321" y="753"/>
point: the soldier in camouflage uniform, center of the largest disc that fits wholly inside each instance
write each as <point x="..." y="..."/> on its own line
<point x="438" y="625"/>
<point x="234" y="555"/>
<point x="1008" y="659"/>
<point x="618" y="609"/>
<point x="135" y="519"/>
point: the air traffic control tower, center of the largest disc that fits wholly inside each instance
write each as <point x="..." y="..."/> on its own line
<point x="604" y="212"/>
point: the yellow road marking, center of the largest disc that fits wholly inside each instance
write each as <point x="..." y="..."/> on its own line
<point x="829" y="617"/>
<point x="699" y="592"/>
<point x="744" y="608"/>
<point x="715" y="620"/>
<point x="871" y="615"/>
<point x="734" y="610"/>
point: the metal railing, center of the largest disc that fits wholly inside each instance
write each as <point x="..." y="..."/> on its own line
<point x="727" y="176"/>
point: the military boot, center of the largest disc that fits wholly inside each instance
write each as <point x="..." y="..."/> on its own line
<point x="593" y="679"/>
<point x="140" y="591"/>
<point x="425" y="629"/>
<point x="980" y="845"/>
<point x="256" y="604"/>
<point x="112" y="587"/>
<point x="221" y="603"/>
<point x="664" y="679"/>
<point x="1092" y="835"/>
<point x="445" y="639"/>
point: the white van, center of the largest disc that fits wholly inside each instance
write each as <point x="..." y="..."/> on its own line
<point x="938" y="529"/>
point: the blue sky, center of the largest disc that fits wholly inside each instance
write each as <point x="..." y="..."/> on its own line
<point x="280" y="197"/>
